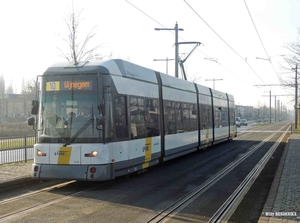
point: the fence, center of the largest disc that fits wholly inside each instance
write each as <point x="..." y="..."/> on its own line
<point x="16" y="149"/>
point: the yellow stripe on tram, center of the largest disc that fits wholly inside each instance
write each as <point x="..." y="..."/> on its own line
<point x="148" y="152"/>
<point x="64" y="155"/>
<point x="207" y="138"/>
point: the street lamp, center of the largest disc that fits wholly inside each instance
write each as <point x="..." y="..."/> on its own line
<point x="176" y="44"/>
<point x="270" y="106"/>
<point x="296" y="96"/>
<point x="259" y="58"/>
<point x="213" y="81"/>
<point x="167" y="60"/>
<point x="212" y="59"/>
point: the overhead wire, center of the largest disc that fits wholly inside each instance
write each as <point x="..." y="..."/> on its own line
<point x="235" y="74"/>
<point x="257" y="31"/>
<point x="198" y="49"/>
<point x="160" y="24"/>
<point x="224" y="40"/>
<point x="269" y="58"/>
<point x="145" y="13"/>
<point x="214" y="31"/>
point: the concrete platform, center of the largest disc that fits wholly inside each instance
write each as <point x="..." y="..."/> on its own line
<point x="283" y="202"/>
<point x="14" y="175"/>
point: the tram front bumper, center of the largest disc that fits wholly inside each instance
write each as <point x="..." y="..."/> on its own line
<point x="72" y="172"/>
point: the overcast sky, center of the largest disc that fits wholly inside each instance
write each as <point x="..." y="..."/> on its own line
<point x="231" y="39"/>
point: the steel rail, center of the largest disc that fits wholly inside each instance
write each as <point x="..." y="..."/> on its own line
<point x="226" y="210"/>
<point x="188" y="198"/>
<point x="26" y="210"/>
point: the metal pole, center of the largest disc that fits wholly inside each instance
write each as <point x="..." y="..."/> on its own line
<point x="275" y="109"/>
<point x="167" y="62"/>
<point x="270" y="108"/>
<point x="166" y="65"/>
<point x="176" y="45"/>
<point x="176" y="50"/>
<point x="296" y="98"/>
<point x="213" y="81"/>
<point x="278" y="109"/>
<point x="25" y="145"/>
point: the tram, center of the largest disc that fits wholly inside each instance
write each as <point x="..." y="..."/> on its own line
<point x="95" y="121"/>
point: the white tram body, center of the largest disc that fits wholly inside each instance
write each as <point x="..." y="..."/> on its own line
<point x="137" y="118"/>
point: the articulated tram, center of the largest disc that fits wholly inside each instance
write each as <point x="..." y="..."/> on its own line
<point x="99" y="120"/>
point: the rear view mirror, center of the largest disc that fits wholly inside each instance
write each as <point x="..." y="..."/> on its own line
<point x="30" y="121"/>
<point x="34" y="107"/>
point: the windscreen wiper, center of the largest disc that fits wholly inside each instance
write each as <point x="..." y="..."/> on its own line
<point x="84" y="127"/>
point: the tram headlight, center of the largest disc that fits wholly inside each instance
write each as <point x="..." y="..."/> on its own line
<point x="40" y="153"/>
<point x="92" y="154"/>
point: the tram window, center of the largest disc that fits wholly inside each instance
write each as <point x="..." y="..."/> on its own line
<point x="221" y="116"/>
<point x="169" y="113"/>
<point x="186" y="116"/>
<point x="224" y="117"/>
<point x="205" y="116"/>
<point x="179" y="118"/>
<point x="218" y="117"/>
<point x="121" y="125"/>
<point x="137" y="117"/>
<point x="189" y="115"/>
<point x="193" y="117"/>
<point x="232" y="119"/>
<point x="151" y="118"/>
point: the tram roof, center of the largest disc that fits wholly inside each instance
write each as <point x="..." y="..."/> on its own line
<point x="113" y="66"/>
<point x="125" y="69"/>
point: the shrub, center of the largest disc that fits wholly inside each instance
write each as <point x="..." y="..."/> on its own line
<point x="16" y="130"/>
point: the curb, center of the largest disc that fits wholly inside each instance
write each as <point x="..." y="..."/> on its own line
<point x="17" y="183"/>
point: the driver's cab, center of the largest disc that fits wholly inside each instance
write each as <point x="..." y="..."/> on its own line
<point x="71" y="109"/>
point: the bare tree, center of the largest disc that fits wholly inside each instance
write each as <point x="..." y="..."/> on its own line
<point x="294" y="48"/>
<point x="194" y="78"/>
<point x="287" y="76"/>
<point x="2" y="94"/>
<point x="28" y="86"/>
<point x="2" y="86"/>
<point x="10" y="89"/>
<point x="78" y="51"/>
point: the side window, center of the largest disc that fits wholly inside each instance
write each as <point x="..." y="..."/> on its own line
<point x="186" y="116"/>
<point x="179" y="118"/>
<point x="170" y="117"/>
<point x="121" y="124"/>
<point x="221" y="117"/>
<point x="206" y="116"/>
<point x="193" y="117"/>
<point x="218" y="116"/>
<point x="232" y="118"/>
<point x="152" y="117"/>
<point x="225" y="117"/>
<point x="137" y="117"/>
<point x="189" y="117"/>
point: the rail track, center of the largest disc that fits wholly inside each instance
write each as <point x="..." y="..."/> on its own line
<point x="228" y="207"/>
<point x="32" y="202"/>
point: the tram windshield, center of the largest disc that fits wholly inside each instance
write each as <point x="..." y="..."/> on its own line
<point x="69" y="108"/>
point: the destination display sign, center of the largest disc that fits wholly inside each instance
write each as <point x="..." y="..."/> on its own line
<point x="68" y="85"/>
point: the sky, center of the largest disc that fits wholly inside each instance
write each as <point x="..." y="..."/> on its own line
<point x="232" y="33"/>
